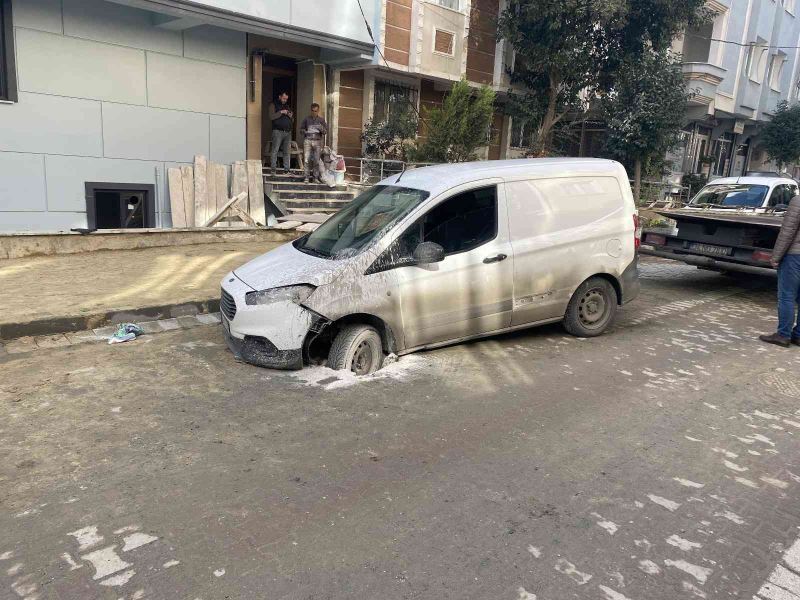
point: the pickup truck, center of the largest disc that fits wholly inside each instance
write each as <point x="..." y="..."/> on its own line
<point x="730" y="225"/>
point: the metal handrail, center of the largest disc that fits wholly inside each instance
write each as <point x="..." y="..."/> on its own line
<point x="372" y="170"/>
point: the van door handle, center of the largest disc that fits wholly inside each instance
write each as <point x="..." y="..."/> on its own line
<point x="494" y="259"/>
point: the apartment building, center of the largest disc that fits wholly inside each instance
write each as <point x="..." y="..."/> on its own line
<point x="741" y="65"/>
<point x="98" y="98"/>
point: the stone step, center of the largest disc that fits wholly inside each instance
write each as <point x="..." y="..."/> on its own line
<point x="314" y="195"/>
<point x="312" y="205"/>
<point x="300" y="187"/>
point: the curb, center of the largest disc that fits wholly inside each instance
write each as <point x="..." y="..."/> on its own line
<point x="70" y="324"/>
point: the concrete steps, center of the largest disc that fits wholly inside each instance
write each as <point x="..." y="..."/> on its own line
<point x="290" y="194"/>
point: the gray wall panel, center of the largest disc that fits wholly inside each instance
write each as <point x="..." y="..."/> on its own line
<point x="104" y="21"/>
<point x="44" y="15"/>
<point x="52" y="124"/>
<point x="186" y="84"/>
<point x="216" y="45"/>
<point x="154" y="134"/>
<point x="65" y="66"/>
<point x="227" y="139"/>
<point x="67" y="175"/>
<point x="22" y="182"/>
<point x="46" y="221"/>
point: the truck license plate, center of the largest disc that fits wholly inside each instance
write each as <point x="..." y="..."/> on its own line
<point x="710" y="249"/>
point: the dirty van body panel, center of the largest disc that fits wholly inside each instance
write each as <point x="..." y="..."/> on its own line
<point x="470" y="291"/>
<point x="629" y="282"/>
<point x="565" y="230"/>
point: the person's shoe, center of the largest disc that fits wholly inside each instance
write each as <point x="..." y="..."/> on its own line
<point x="305" y="179"/>
<point x="795" y="341"/>
<point x="777" y="339"/>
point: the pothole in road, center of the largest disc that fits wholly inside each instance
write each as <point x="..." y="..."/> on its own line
<point x="783" y="383"/>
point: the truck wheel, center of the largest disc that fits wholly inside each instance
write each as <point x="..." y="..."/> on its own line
<point x="592" y="308"/>
<point x="356" y="348"/>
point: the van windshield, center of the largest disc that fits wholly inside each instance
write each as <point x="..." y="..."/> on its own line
<point x="732" y="195"/>
<point x="366" y="218"/>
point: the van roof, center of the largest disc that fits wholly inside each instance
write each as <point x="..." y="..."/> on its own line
<point x="438" y="178"/>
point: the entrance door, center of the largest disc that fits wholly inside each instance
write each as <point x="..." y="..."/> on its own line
<point x="470" y="291"/>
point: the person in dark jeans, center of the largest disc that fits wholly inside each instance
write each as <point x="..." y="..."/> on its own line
<point x="280" y="113"/>
<point x="313" y="129"/>
<point x="786" y="257"/>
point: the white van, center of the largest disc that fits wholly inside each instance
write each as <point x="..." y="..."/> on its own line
<point x="439" y="255"/>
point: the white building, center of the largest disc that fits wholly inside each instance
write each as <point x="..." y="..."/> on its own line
<point x="741" y="65"/>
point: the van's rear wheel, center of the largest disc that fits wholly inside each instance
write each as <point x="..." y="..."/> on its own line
<point x="592" y="308"/>
<point x="356" y="348"/>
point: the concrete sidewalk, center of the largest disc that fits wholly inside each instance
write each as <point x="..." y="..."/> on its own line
<point x="56" y="294"/>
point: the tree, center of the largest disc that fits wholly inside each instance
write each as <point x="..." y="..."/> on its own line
<point x="561" y="51"/>
<point x="388" y="138"/>
<point x="456" y="130"/>
<point x="644" y="111"/>
<point x="569" y="51"/>
<point x="781" y="136"/>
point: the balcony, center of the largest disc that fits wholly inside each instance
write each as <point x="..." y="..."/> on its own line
<point x="703" y="78"/>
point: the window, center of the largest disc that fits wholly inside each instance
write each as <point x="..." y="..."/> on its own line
<point x="776" y="70"/>
<point x="8" y="78"/>
<point x="458" y="224"/>
<point x="454" y="4"/>
<point x="782" y="195"/>
<point x="120" y="206"/>
<point x="522" y="133"/>
<point x="732" y="195"/>
<point x="391" y="99"/>
<point x="757" y="62"/>
<point x="443" y="42"/>
<point x="697" y="43"/>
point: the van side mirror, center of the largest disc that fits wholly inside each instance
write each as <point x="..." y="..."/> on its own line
<point x="428" y="252"/>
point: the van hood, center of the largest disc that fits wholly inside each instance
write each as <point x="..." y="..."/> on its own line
<point x="286" y="265"/>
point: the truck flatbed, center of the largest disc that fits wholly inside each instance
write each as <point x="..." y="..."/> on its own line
<point x="740" y="218"/>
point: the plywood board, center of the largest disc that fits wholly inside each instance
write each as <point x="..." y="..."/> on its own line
<point x="307" y="227"/>
<point x="255" y="187"/>
<point x="288" y="225"/>
<point x="201" y="195"/>
<point x="239" y="181"/>
<point x="311" y="218"/>
<point x="187" y="176"/>
<point x="176" y="197"/>
<point x="220" y="185"/>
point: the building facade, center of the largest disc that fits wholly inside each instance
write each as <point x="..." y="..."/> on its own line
<point x="740" y="66"/>
<point x="98" y="98"/>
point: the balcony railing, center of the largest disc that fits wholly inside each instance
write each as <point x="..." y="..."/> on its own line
<point x="369" y="171"/>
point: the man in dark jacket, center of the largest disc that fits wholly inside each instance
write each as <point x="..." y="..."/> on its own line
<point x="786" y="257"/>
<point x="280" y="113"/>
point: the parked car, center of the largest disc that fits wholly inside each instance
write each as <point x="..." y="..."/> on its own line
<point x="730" y="225"/>
<point x="439" y="255"/>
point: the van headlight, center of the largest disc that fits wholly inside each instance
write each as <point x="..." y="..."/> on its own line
<point x="293" y="293"/>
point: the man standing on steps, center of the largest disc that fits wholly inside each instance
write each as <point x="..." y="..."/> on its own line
<point x="280" y="113"/>
<point x="786" y="257"/>
<point x="313" y="128"/>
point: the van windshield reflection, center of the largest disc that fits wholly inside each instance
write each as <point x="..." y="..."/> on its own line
<point x="365" y="219"/>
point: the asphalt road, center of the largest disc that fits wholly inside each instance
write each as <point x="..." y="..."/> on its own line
<point x="660" y="461"/>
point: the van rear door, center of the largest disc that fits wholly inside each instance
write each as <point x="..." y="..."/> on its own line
<point x="563" y="230"/>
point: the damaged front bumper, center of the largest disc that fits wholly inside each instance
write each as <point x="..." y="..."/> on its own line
<point x="267" y="335"/>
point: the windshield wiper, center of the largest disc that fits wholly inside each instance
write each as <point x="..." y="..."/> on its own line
<point x="313" y="251"/>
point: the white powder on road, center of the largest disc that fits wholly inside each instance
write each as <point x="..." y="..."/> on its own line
<point x="536" y="552"/>
<point x="679" y="542"/>
<point x="135" y="540"/>
<point x="567" y="568"/>
<point x="670" y="505"/>
<point x="87" y="537"/>
<point x="649" y="567"/>
<point x="328" y="379"/>
<point x="696" y="571"/>
<point x="688" y="483"/>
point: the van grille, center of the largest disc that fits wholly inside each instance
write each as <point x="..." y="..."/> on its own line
<point x="227" y="305"/>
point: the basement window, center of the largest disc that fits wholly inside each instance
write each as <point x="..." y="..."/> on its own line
<point x="8" y="77"/>
<point x="120" y="205"/>
<point x="443" y="42"/>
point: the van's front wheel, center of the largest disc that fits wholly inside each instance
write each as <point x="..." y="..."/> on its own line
<point x="356" y="348"/>
<point x="592" y="308"/>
